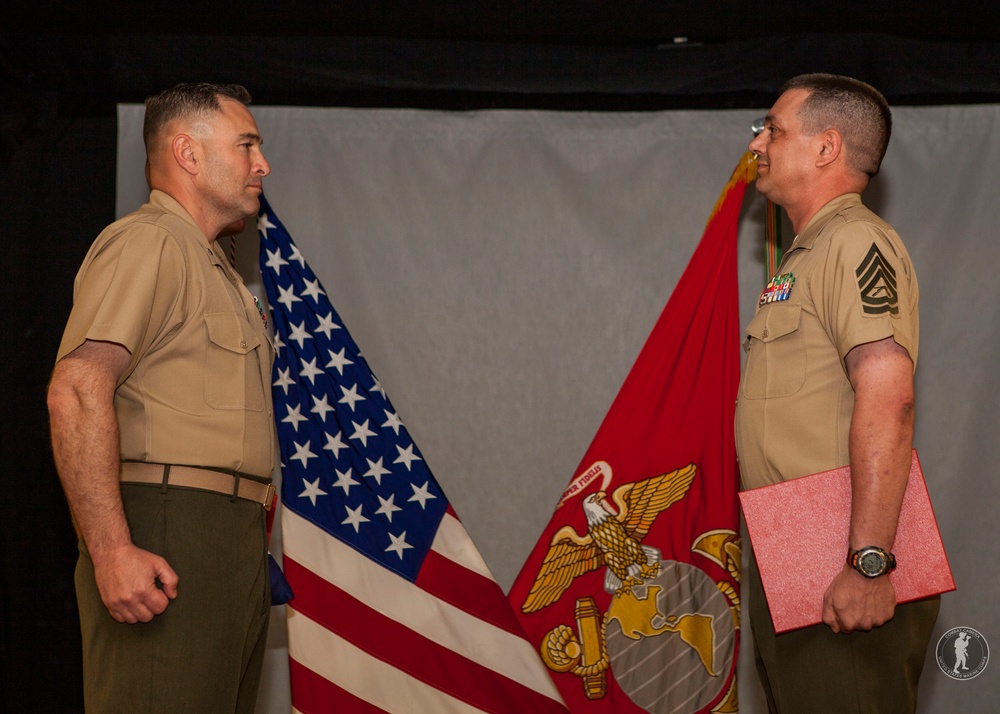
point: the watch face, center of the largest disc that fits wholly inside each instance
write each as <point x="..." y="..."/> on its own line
<point x="872" y="563"/>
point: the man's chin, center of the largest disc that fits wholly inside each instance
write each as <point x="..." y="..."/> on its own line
<point x="234" y="228"/>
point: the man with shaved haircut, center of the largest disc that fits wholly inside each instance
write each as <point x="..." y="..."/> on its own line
<point x="162" y="426"/>
<point x="828" y="382"/>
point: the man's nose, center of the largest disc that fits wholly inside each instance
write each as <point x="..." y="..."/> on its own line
<point x="263" y="168"/>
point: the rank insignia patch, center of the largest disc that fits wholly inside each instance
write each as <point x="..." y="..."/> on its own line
<point x="877" y="284"/>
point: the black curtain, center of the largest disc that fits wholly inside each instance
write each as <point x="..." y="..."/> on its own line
<point x="56" y="193"/>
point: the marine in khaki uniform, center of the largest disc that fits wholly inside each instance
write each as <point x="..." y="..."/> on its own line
<point x="828" y="381"/>
<point x="162" y="426"/>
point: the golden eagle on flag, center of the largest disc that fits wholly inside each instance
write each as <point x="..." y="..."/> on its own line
<point x="613" y="539"/>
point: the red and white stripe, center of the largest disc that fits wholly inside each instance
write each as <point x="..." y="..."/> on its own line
<point x="363" y="639"/>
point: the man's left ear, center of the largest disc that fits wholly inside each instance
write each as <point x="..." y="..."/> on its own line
<point x="830" y="146"/>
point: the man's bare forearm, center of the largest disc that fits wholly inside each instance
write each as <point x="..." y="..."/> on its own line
<point x="85" y="442"/>
<point x="881" y="440"/>
<point x="135" y="585"/>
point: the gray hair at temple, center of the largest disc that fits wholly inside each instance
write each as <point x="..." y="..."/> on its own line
<point x="856" y="109"/>
<point x="190" y="100"/>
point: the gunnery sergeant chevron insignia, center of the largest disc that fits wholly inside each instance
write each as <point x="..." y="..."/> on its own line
<point x="877" y="284"/>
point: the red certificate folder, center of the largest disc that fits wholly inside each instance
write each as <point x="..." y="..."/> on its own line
<point x="799" y="531"/>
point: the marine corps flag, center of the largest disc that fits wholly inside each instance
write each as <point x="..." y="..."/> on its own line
<point x="632" y="593"/>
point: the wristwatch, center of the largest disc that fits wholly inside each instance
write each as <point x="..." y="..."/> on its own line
<point x="871" y="561"/>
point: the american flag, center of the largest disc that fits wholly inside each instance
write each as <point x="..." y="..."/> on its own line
<point x="394" y="608"/>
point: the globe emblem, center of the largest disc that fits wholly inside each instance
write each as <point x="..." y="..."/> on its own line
<point x="679" y="620"/>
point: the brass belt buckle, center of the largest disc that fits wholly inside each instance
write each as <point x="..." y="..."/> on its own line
<point x="269" y="497"/>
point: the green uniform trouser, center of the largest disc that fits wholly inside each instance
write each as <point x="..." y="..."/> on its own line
<point x="814" y="670"/>
<point x="204" y="654"/>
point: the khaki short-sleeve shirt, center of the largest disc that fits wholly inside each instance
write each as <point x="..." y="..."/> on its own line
<point x="846" y="280"/>
<point x="197" y="388"/>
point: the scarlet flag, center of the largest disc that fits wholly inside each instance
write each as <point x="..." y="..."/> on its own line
<point x="632" y="592"/>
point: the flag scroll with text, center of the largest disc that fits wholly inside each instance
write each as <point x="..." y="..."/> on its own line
<point x="632" y="592"/>
<point x="394" y="609"/>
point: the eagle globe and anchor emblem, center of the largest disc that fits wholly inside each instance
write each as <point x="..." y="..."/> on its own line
<point x="661" y="612"/>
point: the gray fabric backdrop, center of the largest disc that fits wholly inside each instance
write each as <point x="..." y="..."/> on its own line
<point x="502" y="269"/>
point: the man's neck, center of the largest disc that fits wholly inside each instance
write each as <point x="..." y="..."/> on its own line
<point x="801" y="215"/>
<point x="803" y="212"/>
<point x="210" y="228"/>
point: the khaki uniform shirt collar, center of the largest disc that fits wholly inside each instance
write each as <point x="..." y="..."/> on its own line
<point x="815" y="226"/>
<point x="166" y="202"/>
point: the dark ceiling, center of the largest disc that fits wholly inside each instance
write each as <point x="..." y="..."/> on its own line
<point x="587" y="54"/>
<point x="584" y="22"/>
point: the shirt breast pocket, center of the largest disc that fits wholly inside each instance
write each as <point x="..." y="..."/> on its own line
<point x="777" y="357"/>
<point x="232" y="368"/>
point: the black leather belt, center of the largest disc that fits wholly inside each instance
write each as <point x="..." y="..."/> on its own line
<point x="205" y="479"/>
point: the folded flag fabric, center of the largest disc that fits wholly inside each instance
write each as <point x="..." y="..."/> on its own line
<point x="281" y="591"/>
<point x="394" y="608"/>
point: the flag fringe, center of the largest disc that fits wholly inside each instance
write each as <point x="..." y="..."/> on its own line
<point x="745" y="172"/>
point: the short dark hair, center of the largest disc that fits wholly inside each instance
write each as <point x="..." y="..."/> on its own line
<point x="856" y="109"/>
<point x="187" y="100"/>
